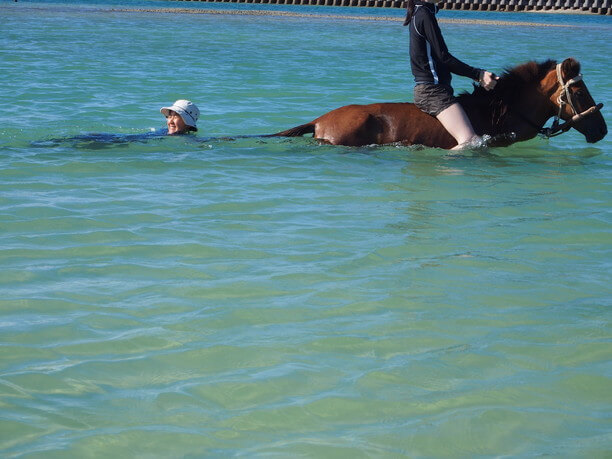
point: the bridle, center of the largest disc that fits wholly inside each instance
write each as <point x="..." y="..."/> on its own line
<point x="564" y="98"/>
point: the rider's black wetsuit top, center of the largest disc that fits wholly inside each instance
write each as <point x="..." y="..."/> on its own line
<point x="429" y="57"/>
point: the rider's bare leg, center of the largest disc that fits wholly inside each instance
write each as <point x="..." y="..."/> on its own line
<point x="456" y="122"/>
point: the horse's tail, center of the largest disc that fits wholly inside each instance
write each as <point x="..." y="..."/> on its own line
<point x="308" y="128"/>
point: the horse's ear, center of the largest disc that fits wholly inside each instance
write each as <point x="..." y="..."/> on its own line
<point x="570" y="68"/>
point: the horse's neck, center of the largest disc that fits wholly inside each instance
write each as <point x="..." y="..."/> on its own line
<point x="524" y="116"/>
<point x="532" y="108"/>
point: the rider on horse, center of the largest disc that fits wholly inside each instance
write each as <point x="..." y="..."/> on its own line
<point x="432" y="66"/>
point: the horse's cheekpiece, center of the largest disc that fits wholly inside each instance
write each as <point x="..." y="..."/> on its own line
<point x="520" y="104"/>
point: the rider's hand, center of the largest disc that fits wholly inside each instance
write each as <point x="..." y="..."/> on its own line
<point x="488" y="80"/>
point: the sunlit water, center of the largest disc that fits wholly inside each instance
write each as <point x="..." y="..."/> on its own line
<point x="216" y="296"/>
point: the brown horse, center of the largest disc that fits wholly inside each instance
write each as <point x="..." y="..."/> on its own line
<point x="517" y="109"/>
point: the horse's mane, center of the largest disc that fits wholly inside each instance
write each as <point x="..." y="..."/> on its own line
<point x="504" y="95"/>
<point x="514" y="79"/>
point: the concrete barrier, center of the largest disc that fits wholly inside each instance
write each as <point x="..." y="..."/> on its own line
<point x="578" y="6"/>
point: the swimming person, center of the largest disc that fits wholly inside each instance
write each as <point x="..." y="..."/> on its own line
<point x="181" y="117"/>
<point x="432" y="65"/>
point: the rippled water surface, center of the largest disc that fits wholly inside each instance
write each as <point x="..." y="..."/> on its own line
<point x="217" y="295"/>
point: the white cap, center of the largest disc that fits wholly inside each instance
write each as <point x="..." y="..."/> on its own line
<point x="186" y="109"/>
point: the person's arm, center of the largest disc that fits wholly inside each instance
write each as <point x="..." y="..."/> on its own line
<point x="433" y="35"/>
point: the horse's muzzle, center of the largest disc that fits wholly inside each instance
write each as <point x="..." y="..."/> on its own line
<point x="591" y="124"/>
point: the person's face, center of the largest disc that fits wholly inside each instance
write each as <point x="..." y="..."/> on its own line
<point x="175" y="123"/>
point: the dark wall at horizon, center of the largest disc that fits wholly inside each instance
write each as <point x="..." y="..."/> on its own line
<point x="577" y="6"/>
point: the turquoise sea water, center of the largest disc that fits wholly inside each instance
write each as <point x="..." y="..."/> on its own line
<point x="210" y="296"/>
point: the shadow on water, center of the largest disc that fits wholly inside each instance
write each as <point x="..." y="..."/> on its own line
<point x="99" y="141"/>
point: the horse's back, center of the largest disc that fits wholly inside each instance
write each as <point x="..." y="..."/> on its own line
<point x="351" y="125"/>
<point x="379" y="123"/>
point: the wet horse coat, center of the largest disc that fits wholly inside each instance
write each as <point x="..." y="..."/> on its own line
<point x="521" y="103"/>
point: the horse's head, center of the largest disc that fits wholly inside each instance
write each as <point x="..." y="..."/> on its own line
<point x="572" y="97"/>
